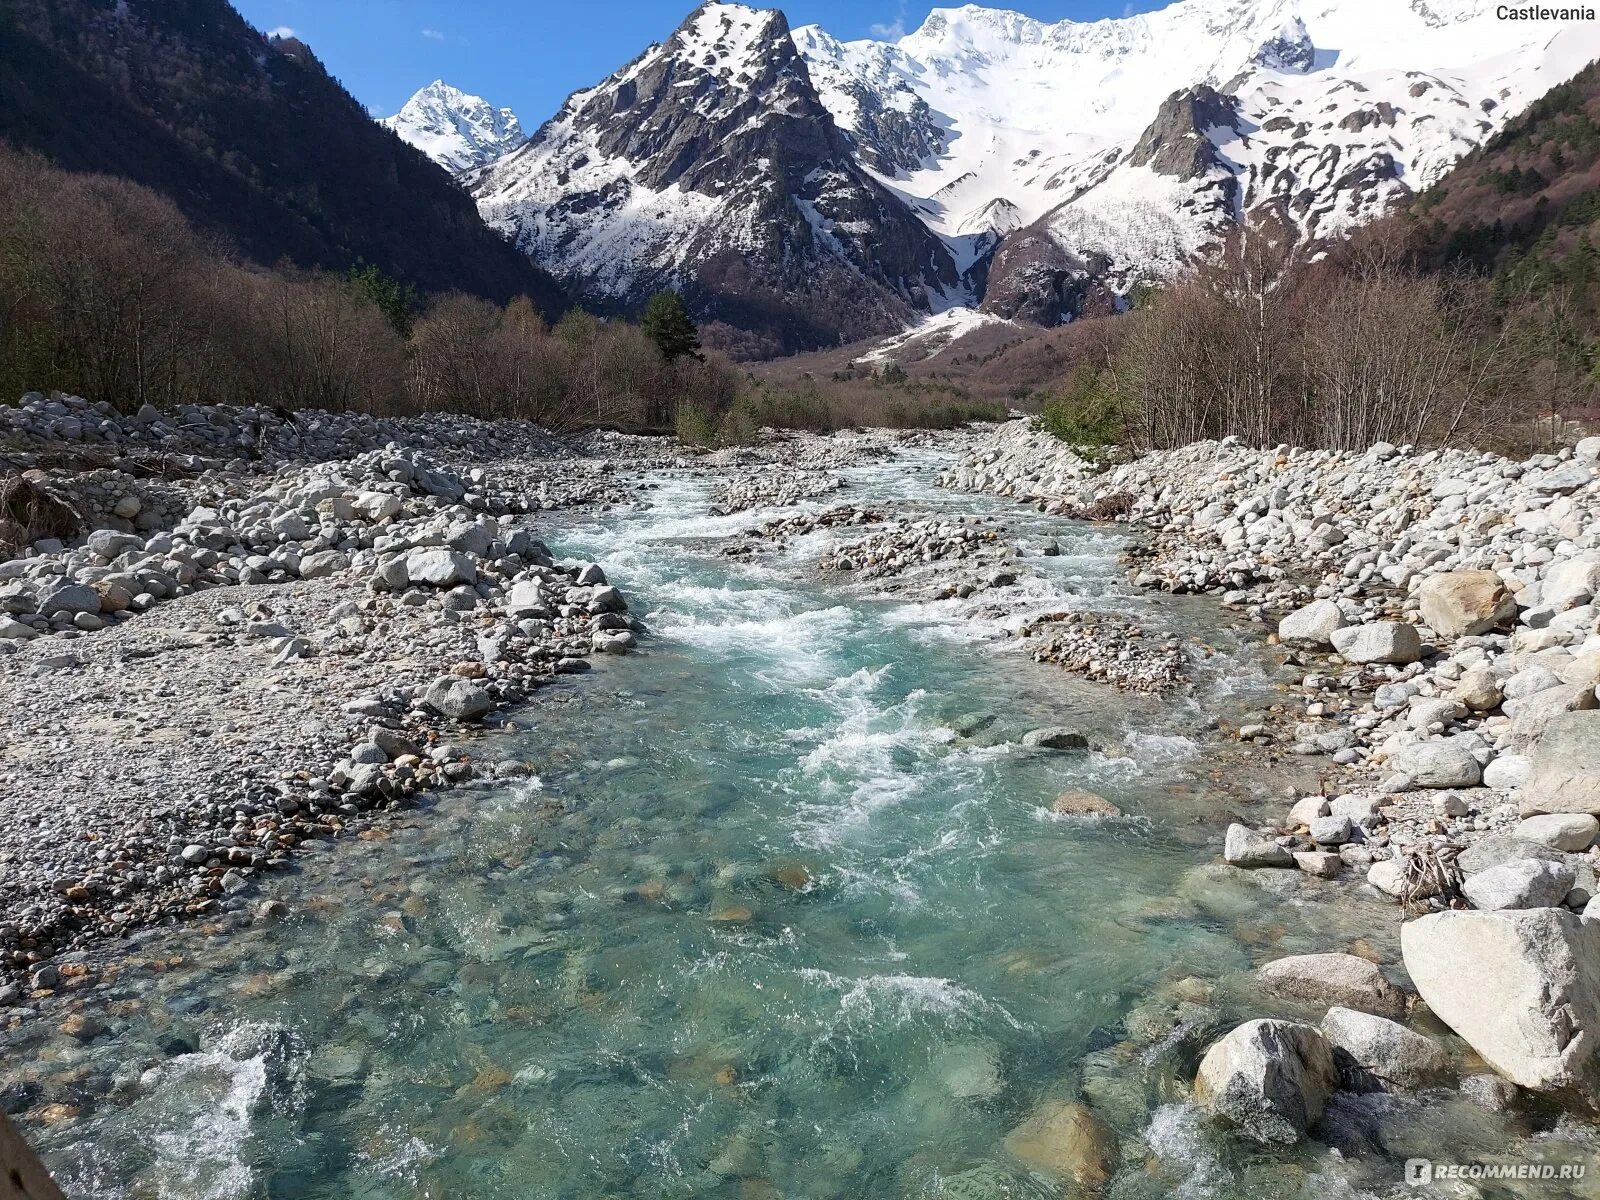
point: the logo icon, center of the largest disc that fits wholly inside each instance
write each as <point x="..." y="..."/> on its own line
<point x="1419" y="1172"/>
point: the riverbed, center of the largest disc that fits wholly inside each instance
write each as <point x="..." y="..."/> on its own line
<point x="780" y="908"/>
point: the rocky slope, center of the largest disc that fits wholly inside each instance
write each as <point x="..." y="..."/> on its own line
<point x="457" y="130"/>
<point x="709" y="164"/>
<point x="318" y="612"/>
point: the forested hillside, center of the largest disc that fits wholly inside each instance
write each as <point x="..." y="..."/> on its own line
<point x="249" y="136"/>
<point x="1522" y="213"/>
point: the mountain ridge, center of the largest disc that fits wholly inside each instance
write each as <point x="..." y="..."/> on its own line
<point x="1041" y="170"/>
<point x="709" y="164"/>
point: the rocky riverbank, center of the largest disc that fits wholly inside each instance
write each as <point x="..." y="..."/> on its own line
<point x="235" y="633"/>
<point x="188" y="701"/>
<point x="1440" y="607"/>
<point x="227" y="632"/>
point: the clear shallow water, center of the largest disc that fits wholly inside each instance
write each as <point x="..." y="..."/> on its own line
<point x="764" y="925"/>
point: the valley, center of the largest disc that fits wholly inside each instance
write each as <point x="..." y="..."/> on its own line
<point x="1007" y="609"/>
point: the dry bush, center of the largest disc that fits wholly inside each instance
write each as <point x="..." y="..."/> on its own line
<point x="106" y="292"/>
<point x="1336" y="354"/>
<point x="328" y="347"/>
<point x="30" y="509"/>
<point x="1400" y="358"/>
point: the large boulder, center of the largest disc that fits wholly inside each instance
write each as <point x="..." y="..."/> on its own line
<point x="1571" y="583"/>
<point x="1464" y="603"/>
<point x="1520" y="986"/>
<point x="1535" y="714"/>
<point x="1328" y="979"/>
<point x="1375" y="1054"/>
<point x="1268" y="1079"/>
<point x="1521" y="883"/>
<point x="1312" y="626"/>
<point x="1564" y="774"/>
<point x="1441" y="764"/>
<point x="440" y="567"/>
<point x="457" y="698"/>
<point x="1244" y="847"/>
<point x="1571" y="832"/>
<point x="1067" y="1140"/>
<point x="73" y="598"/>
<point x="1379" y="642"/>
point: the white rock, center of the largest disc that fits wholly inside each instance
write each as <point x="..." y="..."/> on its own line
<point x="1442" y="764"/>
<point x="440" y="567"/>
<point x="1521" y="883"/>
<point x="1331" y="831"/>
<point x="1573" y="582"/>
<point x="1572" y="832"/>
<point x="1507" y="771"/>
<point x="1521" y="987"/>
<point x="1312" y="626"/>
<point x="1332" y="979"/>
<point x="1244" y="847"/>
<point x="1376" y="1054"/>
<point x="1269" y="1080"/>
<point x="1306" y="810"/>
<point x="1379" y="642"/>
<point x="1564" y="772"/>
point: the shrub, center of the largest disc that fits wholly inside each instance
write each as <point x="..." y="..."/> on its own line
<point x="1086" y="415"/>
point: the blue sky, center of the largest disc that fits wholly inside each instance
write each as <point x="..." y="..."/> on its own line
<point x="530" y="54"/>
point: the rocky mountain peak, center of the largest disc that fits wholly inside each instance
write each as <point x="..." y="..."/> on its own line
<point x="456" y="129"/>
<point x="987" y="149"/>
<point x="1180" y="140"/>
<point x="711" y="164"/>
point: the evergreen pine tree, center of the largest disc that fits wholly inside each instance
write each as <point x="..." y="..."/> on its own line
<point x="397" y="301"/>
<point x="667" y="324"/>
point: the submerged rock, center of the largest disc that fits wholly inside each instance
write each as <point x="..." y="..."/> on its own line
<point x="1076" y="803"/>
<point x="1068" y="1140"/>
<point x="1055" y="737"/>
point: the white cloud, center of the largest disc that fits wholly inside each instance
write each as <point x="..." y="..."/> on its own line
<point x="1127" y="9"/>
<point x="433" y="35"/>
<point x="894" y="30"/>
<point x="282" y="31"/>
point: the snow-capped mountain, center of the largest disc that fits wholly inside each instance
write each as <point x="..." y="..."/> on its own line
<point x="1118" y="149"/>
<point x="709" y="163"/>
<point x="827" y="188"/>
<point x="457" y="130"/>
